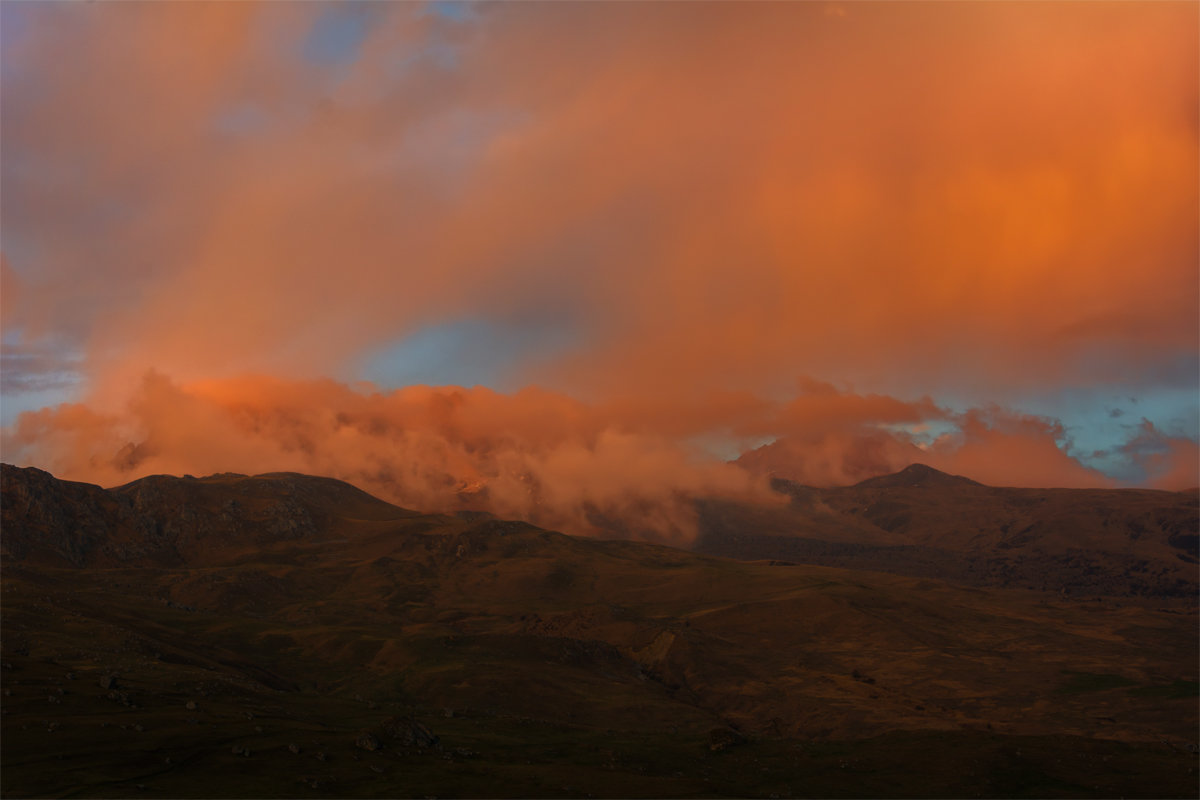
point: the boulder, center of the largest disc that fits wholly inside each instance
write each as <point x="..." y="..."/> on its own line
<point x="409" y="732"/>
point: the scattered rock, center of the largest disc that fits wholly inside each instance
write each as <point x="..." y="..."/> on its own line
<point x="294" y="748"/>
<point x="320" y="755"/>
<point x="367" y="741"/>
<point x="238" y="750"/>
<point x="724" y="738"/>
<point x="191" y="705"/>
<point x="409" y="732"/>
<point x="108" y="682"/>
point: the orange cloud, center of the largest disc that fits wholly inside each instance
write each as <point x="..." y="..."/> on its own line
<point x="735" y="193"/>
<point x="1171" y="462"/>
<point x="912" y="198"/>
<point x="835" y="458"/>
<point x="822" y="407"/>
<point x="1000" y="448"/>
<point x="533" y="455"/>
<point x="991" y="446"/>
<point x="10" y="286"/>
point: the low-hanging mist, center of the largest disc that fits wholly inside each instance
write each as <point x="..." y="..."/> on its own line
<point x="537" y="455"/>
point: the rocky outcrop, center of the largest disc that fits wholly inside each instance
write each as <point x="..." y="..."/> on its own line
<point x="59" y="521"/>
<point x="410" y="733"/>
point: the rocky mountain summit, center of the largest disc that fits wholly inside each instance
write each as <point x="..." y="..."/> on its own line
<point x="925" y="523"/>
<point x="916" y="475"/>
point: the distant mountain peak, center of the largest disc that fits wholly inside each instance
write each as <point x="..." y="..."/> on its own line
<point x="916" y="475"/>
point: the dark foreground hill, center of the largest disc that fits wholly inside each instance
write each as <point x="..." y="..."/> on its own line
<point x="286" y="636"/>
<point x="924" y="523"/>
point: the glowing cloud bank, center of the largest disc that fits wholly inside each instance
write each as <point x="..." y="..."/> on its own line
<point x="674" y="212"/>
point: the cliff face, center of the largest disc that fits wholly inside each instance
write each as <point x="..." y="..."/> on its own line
<point x="62" y="522"/>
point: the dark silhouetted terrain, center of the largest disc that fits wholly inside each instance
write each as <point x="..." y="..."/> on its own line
<point x="925" y="523"/>
<point x="290" y="636"/>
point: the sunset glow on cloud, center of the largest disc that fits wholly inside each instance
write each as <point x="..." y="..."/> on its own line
<point x="834" y="238"/>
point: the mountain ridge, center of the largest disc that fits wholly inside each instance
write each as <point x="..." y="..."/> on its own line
<point x="924" y="523"/>
<point x="412" y="655"/>
<point x="164" y="519"/>
<point x="918" y="522"/>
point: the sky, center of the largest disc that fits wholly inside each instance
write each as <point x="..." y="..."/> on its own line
<point x="573" y="262"/>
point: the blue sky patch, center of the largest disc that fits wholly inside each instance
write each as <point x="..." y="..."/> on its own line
<point x="337" y="35"/>
<point x="465" y="353"/>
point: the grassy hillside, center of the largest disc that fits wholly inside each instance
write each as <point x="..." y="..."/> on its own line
<point x="546" y="665"/>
